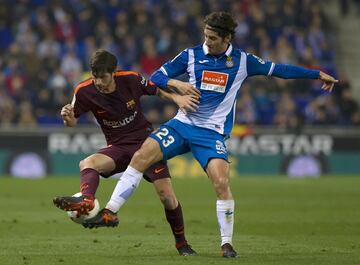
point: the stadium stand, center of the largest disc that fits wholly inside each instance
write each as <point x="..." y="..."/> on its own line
<point x="45" y="46"/>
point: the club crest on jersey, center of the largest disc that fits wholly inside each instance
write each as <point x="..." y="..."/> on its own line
<point x="130" y="105"/>
<point x="229" y="62"/>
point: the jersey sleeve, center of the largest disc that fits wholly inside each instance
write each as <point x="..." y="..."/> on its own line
<point x="171" y="69"/>
<point x="257" y="66"/>
<point x="287" y="71"/>
<point x="78" y="106"/>
<point x="147" y="87"/>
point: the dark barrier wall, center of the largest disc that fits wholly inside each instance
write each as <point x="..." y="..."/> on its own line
<point x="314" y="152"/>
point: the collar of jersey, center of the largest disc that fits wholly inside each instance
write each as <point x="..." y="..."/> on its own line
<point x="227" y="53"/>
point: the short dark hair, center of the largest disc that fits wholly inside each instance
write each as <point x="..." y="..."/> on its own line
<point x="222" y="23"/>
<point x="102" y="62"/>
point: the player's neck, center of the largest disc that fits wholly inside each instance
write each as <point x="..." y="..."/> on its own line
<point x="222" y="51"/>
<point x="112" y="86"/>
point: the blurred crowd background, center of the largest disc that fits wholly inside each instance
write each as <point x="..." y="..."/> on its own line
<point x="45" y="47"/>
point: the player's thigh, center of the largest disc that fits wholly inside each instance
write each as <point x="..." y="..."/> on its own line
<point x="218" y="170"/>
<point x="208" y="146"/>
<point x="120" y="156"/>
<point x="156" y="171"/>
<point x="212" y="155"/>
<point x="149" y="153"/>
<point x="99" y="162"/>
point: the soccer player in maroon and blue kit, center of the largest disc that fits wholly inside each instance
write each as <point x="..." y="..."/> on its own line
<point x="114" y="99"/>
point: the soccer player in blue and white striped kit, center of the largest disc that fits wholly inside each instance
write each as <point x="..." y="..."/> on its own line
<point x="216" y="71"/>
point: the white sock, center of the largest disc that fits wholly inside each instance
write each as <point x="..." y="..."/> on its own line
<point x="125" y="187"/>
<point x="225" y="216"/>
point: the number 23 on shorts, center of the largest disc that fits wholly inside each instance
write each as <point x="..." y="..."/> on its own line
<point x="166" y="139"/>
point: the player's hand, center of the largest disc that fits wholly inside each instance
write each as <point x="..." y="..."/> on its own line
<point x="68" y="116"/>
<point x="328" y="80"/>
<point x="67" y="112"/>
<point x="184" y="88"/>
<point x="187" y="102"/>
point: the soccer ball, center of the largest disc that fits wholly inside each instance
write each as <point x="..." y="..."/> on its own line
<point x="82" y="218"/>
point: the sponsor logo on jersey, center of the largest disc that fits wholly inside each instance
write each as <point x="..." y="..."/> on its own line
<point x="117" y="124"/>
<point x="214" y="81"/>
<point x="130" y="105"/>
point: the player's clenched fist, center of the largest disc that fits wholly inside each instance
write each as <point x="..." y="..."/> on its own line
<point x="67" y="114"/>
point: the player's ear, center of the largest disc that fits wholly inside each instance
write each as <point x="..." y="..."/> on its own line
<point x="227" y="38"/>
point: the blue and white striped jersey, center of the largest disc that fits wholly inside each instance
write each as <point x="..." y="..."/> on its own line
<point x="219" y="80"/>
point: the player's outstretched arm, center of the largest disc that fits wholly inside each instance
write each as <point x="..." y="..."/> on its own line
<point x="185" y="102"/>
<point x="295" y="72"/>
<point x="257" y="66"/>
<point x="67" y="114"/>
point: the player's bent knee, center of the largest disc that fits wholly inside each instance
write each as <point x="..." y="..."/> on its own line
<point x="221" y="183"/>
<point x="83" y="164"/>
<point x="140" y="158"/>
<point x="168" y="200"/>
<point x="147" y="155"/>
<point x="88" y="162"/>
<point x="222" y="188"/>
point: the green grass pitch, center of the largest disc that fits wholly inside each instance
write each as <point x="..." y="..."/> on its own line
<point x="277" y="221"/>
